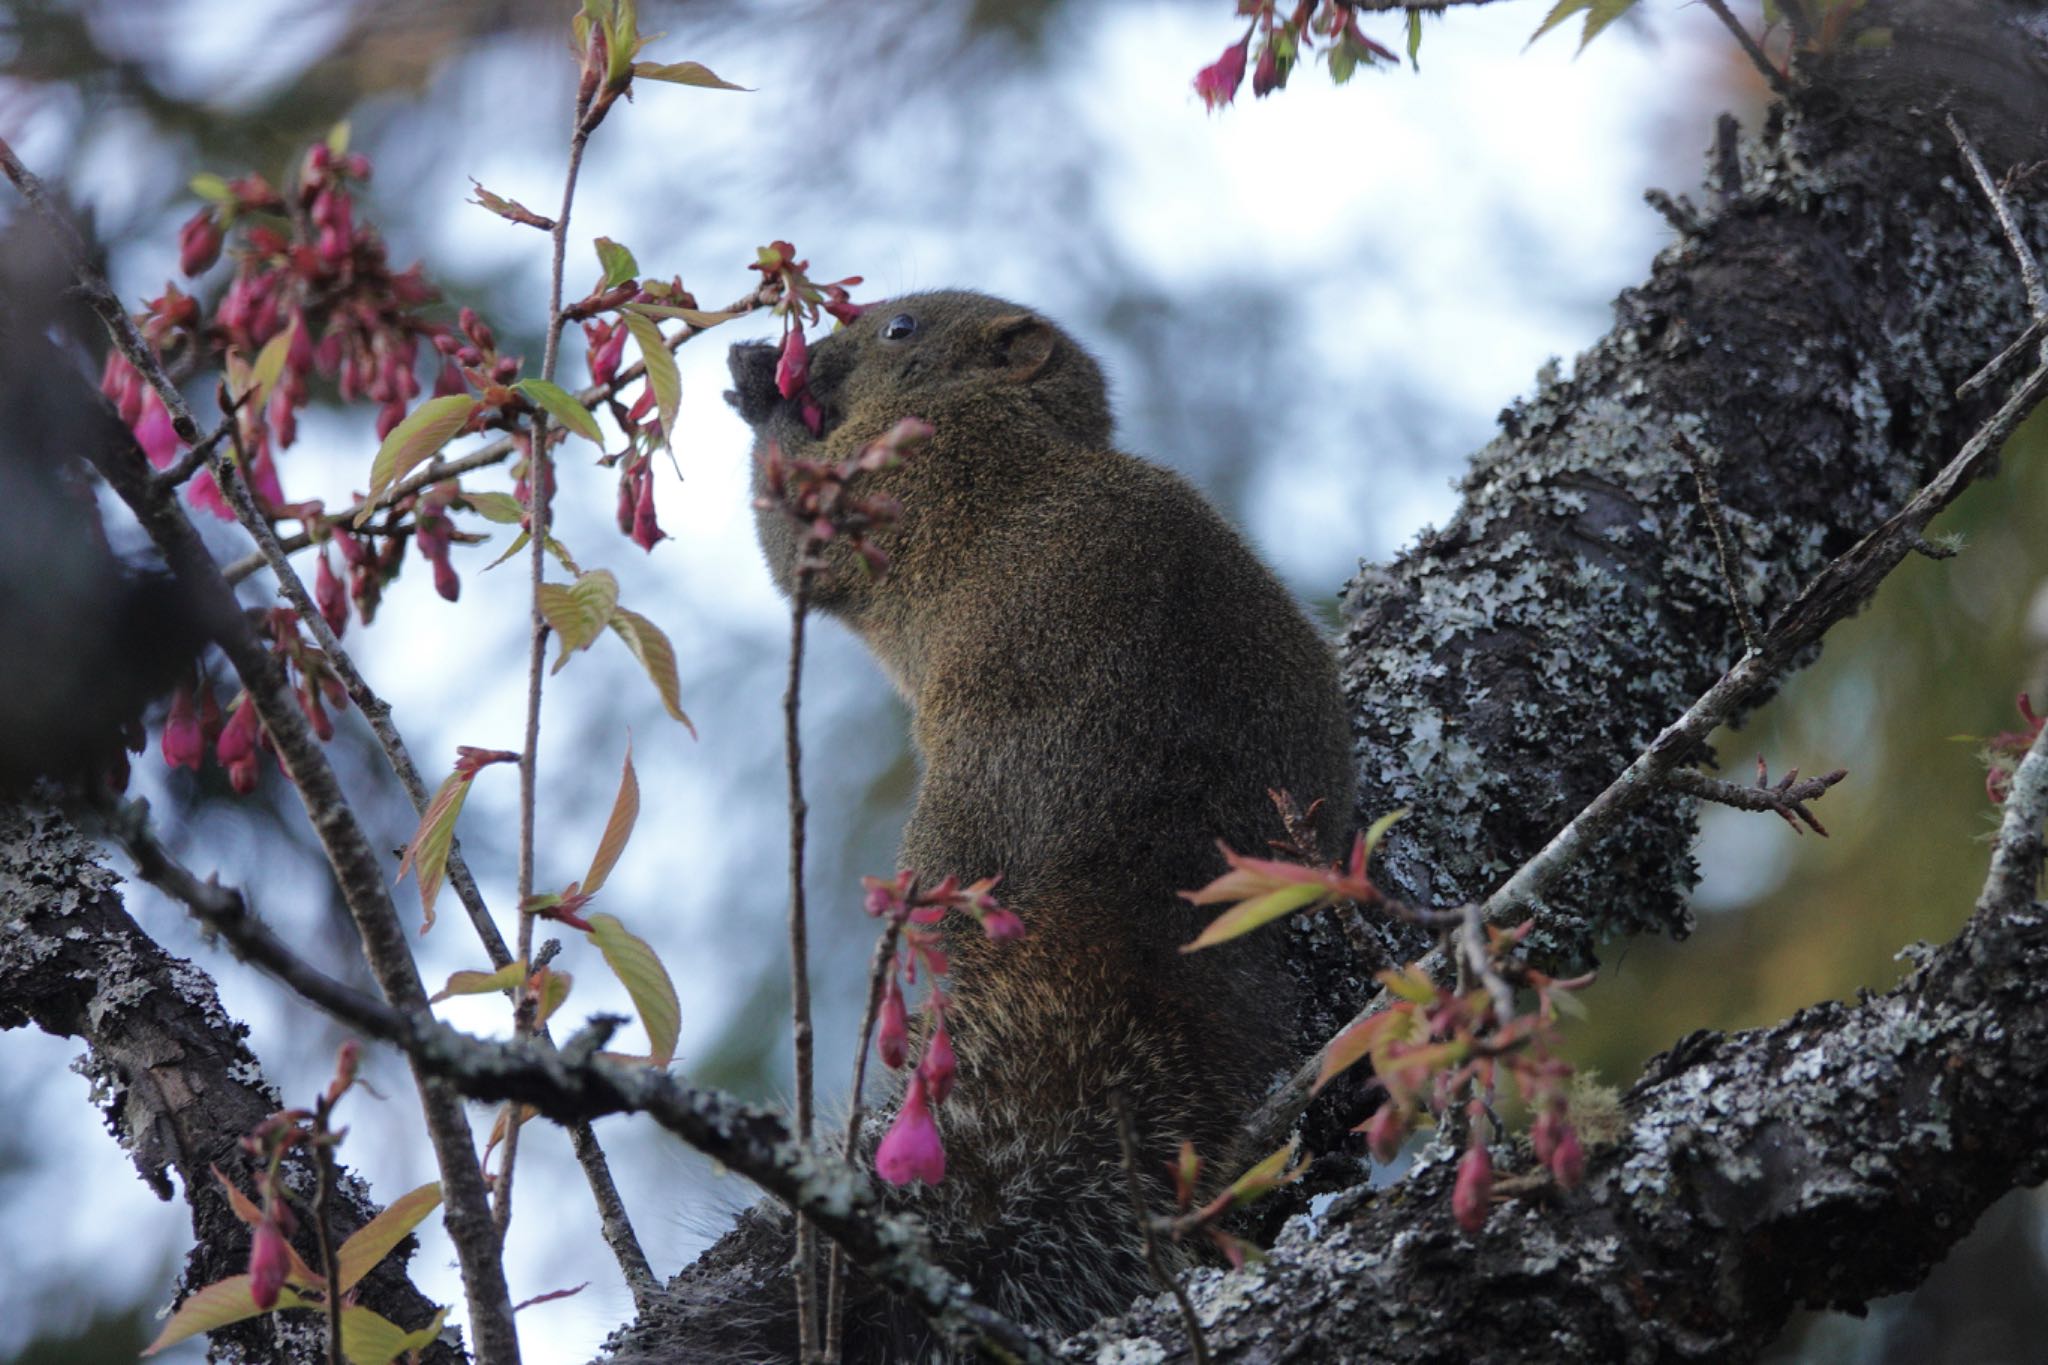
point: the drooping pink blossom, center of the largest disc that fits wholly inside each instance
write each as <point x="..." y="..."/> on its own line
<point x="892" y="1037"/>
<point x="1217" y="82"/>
<point x="199" y="242"/>
<point x="1472" y="1196"/>
<point x="184" y="742"/>
<point x="912" y="1149"/>
<point x="793" y="370"/>
<point x="330" y="596"/>
<point x="935" y="1068"/>
<point x="270" y="1260"/>
<point x="153" y="430"/>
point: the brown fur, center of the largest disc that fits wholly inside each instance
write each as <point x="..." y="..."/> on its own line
<point x="1105" y="682"/>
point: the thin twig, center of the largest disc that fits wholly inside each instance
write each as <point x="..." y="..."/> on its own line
<point x="1787" y="798"/>
<point x="1724" y="548"/>
<point x="330" y="1264"/>
<point x="497" y="452"/>
<point x="2030" y="268"/>
<point x="803" y="1264"/>
<point x="358" y="874"/>
<point x="188" y="464"/>
<point x="539" y="485"/>
<point x="1127" y="1137"/>
<point x="1751" y="49"/>
<point x="835" y="1273"/>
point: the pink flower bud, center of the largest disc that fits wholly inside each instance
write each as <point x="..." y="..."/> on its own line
<point x="262" y="475"/>
<point x="912" y="1150"/>
<point x="238" y="739"/>
<point x="477" y="330"/>
<point x="935" y="1069"/>
<point x="154" y="433"/>
<point x="389" y="416"/>
<point x="446" y="581"/>
<point x="1543" y="1134"/>
<point x="184" y="742"/>
<point x="284" y="418"/>
<point x="270" y="1260"/>
<point x="1001" y="923"/>
<point x="606" y="353"/>
<point x="205" y="494"/>
<point x="647" y="532"/>
<point x="1217" y="83"/>
<point x="198" y="242"/>
<point x="1384" y="1131"/>
<point x="794" y="368"/>
<point x="1473" y="1194"/>
<point x="892" y="1039"/>
<point x="1267" y="75"/>
<point x="330" y="596"/>
<point x="1568" y="1161"/>
<point x="450" y="381"/>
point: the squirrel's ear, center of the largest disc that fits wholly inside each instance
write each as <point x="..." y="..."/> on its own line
<point x="1022" y="344"/>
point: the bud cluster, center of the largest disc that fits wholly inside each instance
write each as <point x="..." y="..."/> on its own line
<point x="912" y="1148"/>
<point x="195" y="726"/>
<point x="816" y="495"/>
<point x="799" y="303"/>
<point x="1282" y="40"/>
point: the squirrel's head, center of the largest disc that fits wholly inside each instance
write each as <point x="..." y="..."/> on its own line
<point x="950" y="356"/>
<point x="1003" y="390"/>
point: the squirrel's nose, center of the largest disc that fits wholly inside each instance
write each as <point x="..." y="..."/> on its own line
<point x="753" y="394"/>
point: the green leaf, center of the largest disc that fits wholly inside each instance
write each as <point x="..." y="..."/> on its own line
<point x="619" y="265"/>
<point x="1246" y="916"/>
<point x="618" y="829"/>
<point x="507" y="977"/>
<point x="1347" y="1049"/>
<point x="418" y="438"/>
<point x="427" y="855"/>
<point x="554" y="990"/>
<point x="1599" y="14"/>
<point x="519" y="542"/>
<point x="696" y="317"/>
<point x="337" y="138"/>
<point x="657" y="656"/>
<point x="501" y="508"/>
<point x="684" y="73"/>
<point x="661" y="371"/>
<point x="370" y="1338"/>
<point x="373" y="1241"/>
<point x="217" y="1305"/>
<point x="563" y="407"/>
<point x="211" y="187"/>
<point x="269" y="366"/>
<point x="1414" y="37"/>
<point x="1343" y="63"/>
<point x="639" y="970"/>
<point x="579" y="611"/>
<point x="1268" y="1175"/>
<point x="1378" y="830"/>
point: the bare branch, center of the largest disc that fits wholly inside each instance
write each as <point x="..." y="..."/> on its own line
<point x="1787" y="798"/>
<point x="1751" y="49"/>
<point x="804" y="1261"/>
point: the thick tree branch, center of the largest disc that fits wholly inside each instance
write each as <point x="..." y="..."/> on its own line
<point x="172" y="1073"/>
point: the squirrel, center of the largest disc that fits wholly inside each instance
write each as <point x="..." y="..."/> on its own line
<point x="1105" y="682"/>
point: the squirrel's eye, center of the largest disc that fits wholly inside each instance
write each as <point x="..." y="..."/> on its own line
<point x="898" y="327"/>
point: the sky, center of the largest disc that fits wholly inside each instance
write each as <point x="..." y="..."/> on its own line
<point x="1419" y="245"/>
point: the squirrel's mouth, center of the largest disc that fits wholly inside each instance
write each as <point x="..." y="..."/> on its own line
<point x="755" y="395"/>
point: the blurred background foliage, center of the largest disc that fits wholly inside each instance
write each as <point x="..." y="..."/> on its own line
<point x="1312" y="306"/>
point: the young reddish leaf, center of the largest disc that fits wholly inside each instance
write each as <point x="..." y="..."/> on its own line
<point x="696" y="317"/>
<point x="684" y="73"/>
<point x="563" y="407"/>
<point x="617" y="262"/>
<point x="217" y="1305"/>
<point x="1265" y="1177"/>
<point x="579" y="611"/>
<point x="507" y="977"/>
<point x="500" y="1125"/>
<point x="502" y="508"/>
<point x="1241" y="919"/>
<point x="639" y="970"/>
<point x="657" y="656"/>
<point x="1350" y="1047"/>
<point x="417" y="439"/>
<point x="373" y="1241"/>
<point x="661" y="371"/>
<point x="618" y="829"/>
<point x="509" y="208"/>
<point x="427" y="855"/>
<point x="370" y="1338"/>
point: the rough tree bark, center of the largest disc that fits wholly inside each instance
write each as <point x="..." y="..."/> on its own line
<point x="1806" y="331"/>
